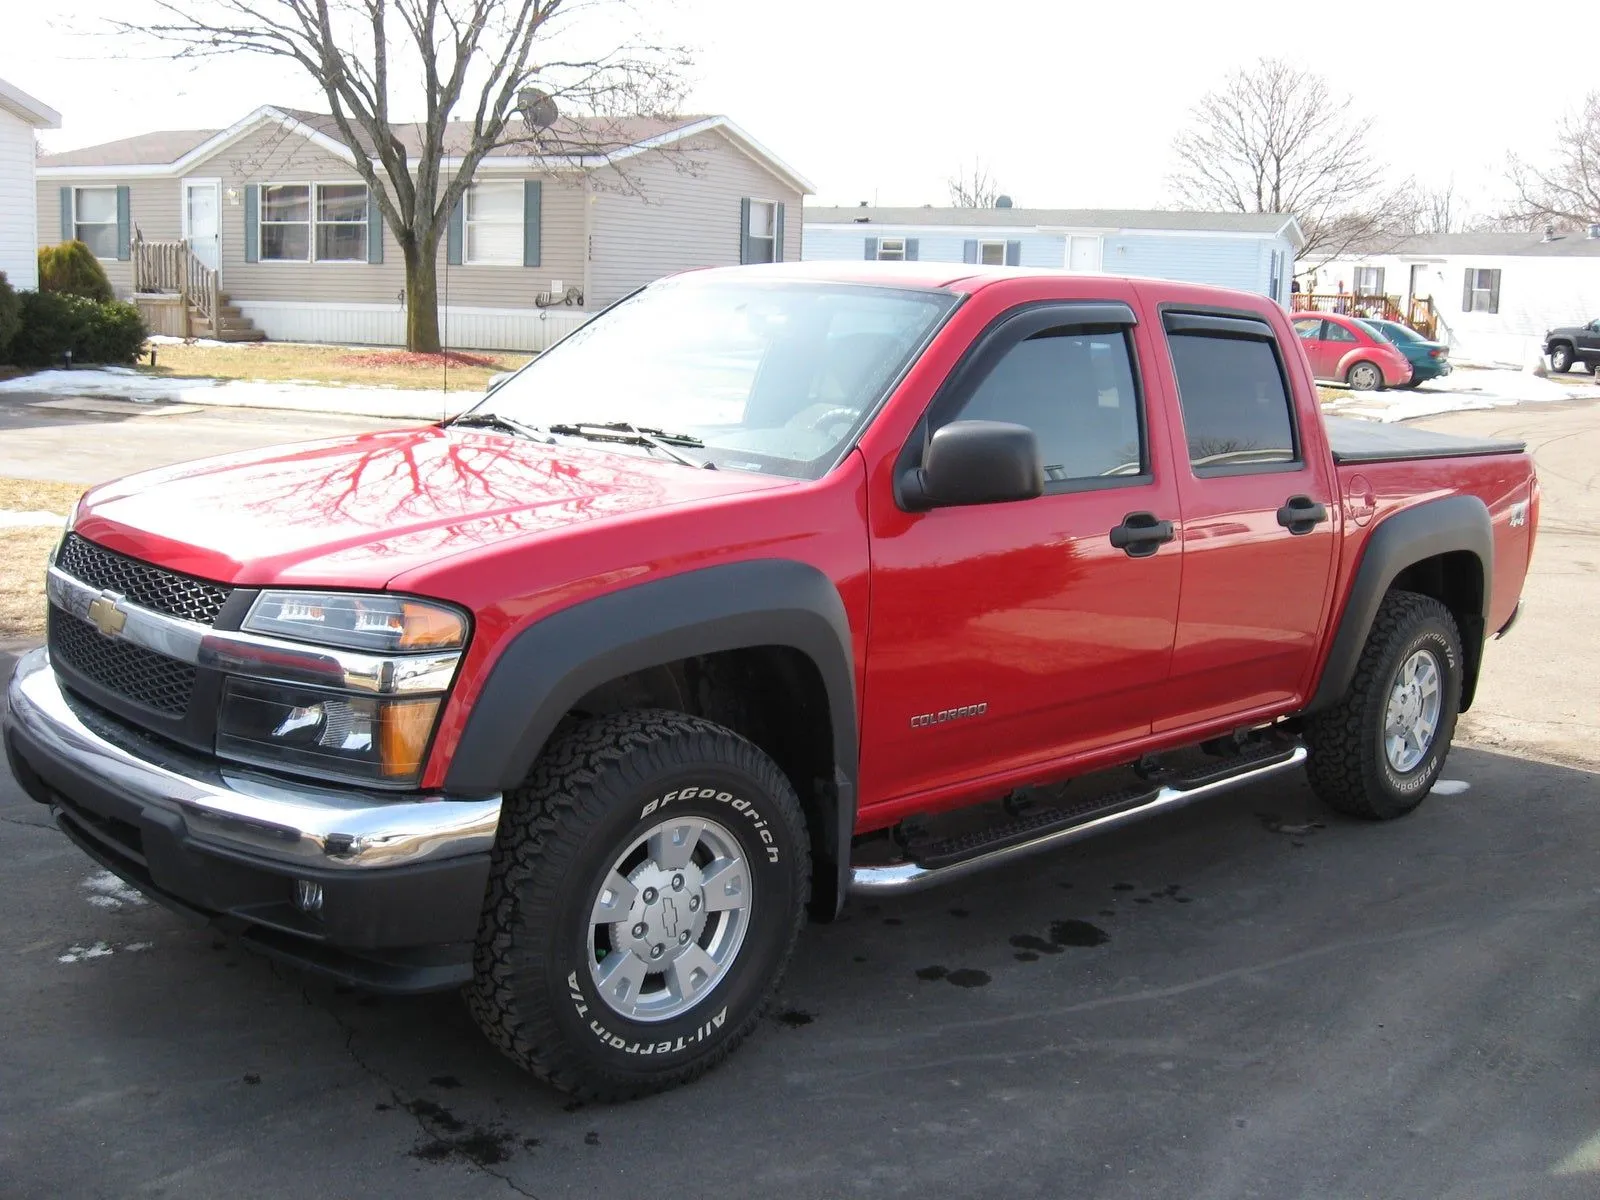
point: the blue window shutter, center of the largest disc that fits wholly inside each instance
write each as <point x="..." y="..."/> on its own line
<point x="374" y="229"/>
<point x="532" y="221"/>
<point x="871" y="249"/>
<point x="1013" y="254"/>
<point x="744" y="230"/>
<point x="777" y="233"/>
<point x="454" y="233"/>
<point x="969" y="250"/>
<point x="252" y="222"/>
<point x="124" y="225"/>
<point x="911" y="249"/>
<point x="66" y="214"/>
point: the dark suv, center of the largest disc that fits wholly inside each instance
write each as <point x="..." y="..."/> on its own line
<point x="1573" y="344"/>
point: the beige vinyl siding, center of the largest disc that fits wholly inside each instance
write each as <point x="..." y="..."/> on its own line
<point x="152" y="210"/>
<point x="678" y="208"/>
<point x="560" y="246"/>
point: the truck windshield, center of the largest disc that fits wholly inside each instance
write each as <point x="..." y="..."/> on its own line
<point x="756" y="376"/>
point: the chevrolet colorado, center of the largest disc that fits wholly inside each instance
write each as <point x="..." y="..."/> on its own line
<point x="768" y="586"/>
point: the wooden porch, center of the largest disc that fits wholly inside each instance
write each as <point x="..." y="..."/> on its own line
<point x="1419" y="314"/>
<point x="179" y="295"/>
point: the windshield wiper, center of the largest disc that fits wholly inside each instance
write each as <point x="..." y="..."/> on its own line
<point x="493" y="420"/>
<point x="630" y="434"/>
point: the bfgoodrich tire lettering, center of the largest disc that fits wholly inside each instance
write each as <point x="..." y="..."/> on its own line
<point x="1349" y="767"/>
<point x="595" y="792"/>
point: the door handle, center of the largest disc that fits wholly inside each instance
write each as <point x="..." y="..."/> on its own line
<point x="1141" y="534"/>
<point x="1301" y="514"/>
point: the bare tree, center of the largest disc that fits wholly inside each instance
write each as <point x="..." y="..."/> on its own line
<point x="1439" y="210"/>
<point x="972" y="187"/>
<point x="1565" y="191"/>
<point x="511" y="65"/>
<point x="1274" y="138"/>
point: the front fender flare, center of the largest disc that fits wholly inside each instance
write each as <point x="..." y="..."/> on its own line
<point x="1423" y="531"/>
<point x="553" y="663"/>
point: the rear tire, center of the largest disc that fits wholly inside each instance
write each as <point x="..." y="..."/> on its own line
<point x="647" y="886"/>
<point x="1561" y="358"/>
<point x="1364" y="377"/>
<point x="1361" y="760"/>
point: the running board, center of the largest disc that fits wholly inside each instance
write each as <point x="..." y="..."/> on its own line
<point x="958" y="858"/>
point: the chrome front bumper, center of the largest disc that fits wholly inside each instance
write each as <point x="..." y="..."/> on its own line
<point x="234" y="811"/>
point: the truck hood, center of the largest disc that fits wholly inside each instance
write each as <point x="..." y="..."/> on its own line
<point x="358" y="511"/>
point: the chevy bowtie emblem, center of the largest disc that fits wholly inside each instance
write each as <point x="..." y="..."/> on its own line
<point x="107" y="617"/>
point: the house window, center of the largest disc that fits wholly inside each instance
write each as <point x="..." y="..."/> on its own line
<point x="285" y="222"/>
<point x="992" y="254"/>
<point x="1369" y="281"/>
<point x="341" y="222"/>
<point x="1482" y="291"/>
<point x="94" y="219"/>
<point x="891" y="249"/>
<point x="761" y="232"/>
<point x="492" y="223"/>
<point x="337" y="227"/>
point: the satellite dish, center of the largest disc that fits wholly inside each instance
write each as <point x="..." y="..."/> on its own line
<point x="538" y="108"/>
<point x="1002" y="202"/>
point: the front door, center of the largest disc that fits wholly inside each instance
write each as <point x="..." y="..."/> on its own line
<point x="1258" y="545"/>
<point x="1083" y="254"/>
<point x="1009" y="635"/>
<point x="202" y="211"/>
<point x="1419" y="284"/>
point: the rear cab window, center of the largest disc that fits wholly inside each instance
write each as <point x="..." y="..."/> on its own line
<point x="1233" y="392"/>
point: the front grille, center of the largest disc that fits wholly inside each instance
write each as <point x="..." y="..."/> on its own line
<point x="145" y="585"/>
<point x="130" y="671"/>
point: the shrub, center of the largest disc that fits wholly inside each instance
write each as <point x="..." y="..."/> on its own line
<point x="72" y="270"/>
<point x="10" y="316"/>
<point x="96" y="332"/>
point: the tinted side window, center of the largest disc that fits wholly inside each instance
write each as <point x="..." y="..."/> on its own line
<point x="1075" y="390"/>
<point x="1235" y="406"/>
<point x="1338" y="333"/>
<point x="1310" y="330"/>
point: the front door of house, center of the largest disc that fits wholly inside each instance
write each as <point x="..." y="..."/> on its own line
<point x="202" y="205"/>
<point x="1083" y="254"/>
<point x="1419" y="285"/>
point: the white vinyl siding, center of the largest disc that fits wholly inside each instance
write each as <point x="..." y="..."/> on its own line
<point x="94" y="219"/>
<point x="493" y="224"/>
<point x="18" y="203"/>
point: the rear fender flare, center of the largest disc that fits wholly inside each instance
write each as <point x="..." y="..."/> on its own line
<point x="556" y="661"/>
<point x="1426" y="530"/>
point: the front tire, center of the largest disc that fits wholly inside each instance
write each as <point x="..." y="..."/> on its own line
<point x="647" y="886"/>
<point x="1364" y="377"/>
<point x="1561" y="358"/>
<point x="1378" y="751"/>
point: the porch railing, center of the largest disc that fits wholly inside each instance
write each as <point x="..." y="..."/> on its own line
<point x="171" y="269"/>
<point x="1419" y="314"/>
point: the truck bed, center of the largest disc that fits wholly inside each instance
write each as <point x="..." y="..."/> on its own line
<point x="1354" y="441"/>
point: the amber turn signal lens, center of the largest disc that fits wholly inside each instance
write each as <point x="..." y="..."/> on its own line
<point x="403" y="729"/>
<point x="429" y="627"/>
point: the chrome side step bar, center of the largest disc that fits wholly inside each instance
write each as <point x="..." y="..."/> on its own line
<point x="903" y="878"/>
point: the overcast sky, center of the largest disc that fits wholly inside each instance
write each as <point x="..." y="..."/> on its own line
<point x="1069" y="104"/>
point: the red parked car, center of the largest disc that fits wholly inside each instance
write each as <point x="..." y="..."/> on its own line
<point x="765" y="588"/>
<point x="1342" y="350"/>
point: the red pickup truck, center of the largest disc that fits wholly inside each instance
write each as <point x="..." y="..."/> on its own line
<point x="768" y="586"/>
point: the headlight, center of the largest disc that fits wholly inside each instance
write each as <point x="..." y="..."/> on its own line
<point x="358" y="621"/>
<point x="329" y="734"/>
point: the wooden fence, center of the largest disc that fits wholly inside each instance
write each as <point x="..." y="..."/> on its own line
<point x="171" y="269"/>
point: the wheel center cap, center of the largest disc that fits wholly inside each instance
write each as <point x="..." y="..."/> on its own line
<point x="667" y="915"/>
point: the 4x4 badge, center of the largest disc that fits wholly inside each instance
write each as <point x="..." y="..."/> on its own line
<point x="107" y="617"/>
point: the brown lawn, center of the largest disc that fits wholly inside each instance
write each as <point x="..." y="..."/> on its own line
<point x="370" y="367"/>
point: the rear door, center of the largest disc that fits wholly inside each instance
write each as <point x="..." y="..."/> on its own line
<point x="1256" y="491"/>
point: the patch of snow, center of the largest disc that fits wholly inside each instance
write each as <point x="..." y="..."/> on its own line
<point x="108" y="891"/>
<point x="83" y="953"/>
<point x="1450" y="787"/>
<point x="1464" y="389"/>
<point x="29" y="520"/>
<point x="124" y="383"/>
<point x="166" y="339"/>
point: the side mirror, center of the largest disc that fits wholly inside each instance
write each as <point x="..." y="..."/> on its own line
<point x="496" y="380"/>
<point x="975" y="462"/>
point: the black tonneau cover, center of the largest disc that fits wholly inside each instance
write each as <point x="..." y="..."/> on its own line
<point x="1354" y="441"/>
